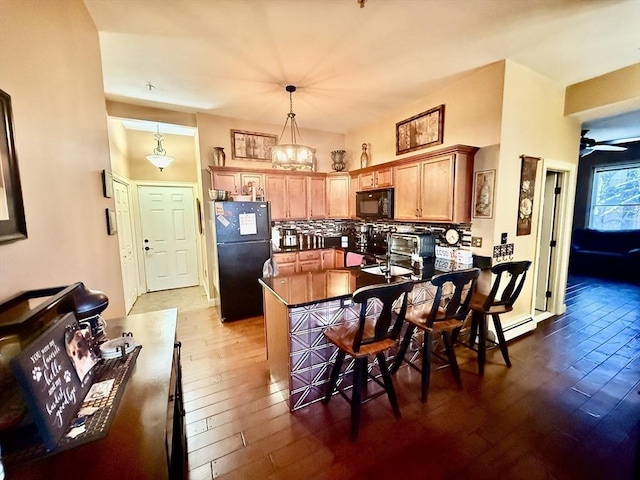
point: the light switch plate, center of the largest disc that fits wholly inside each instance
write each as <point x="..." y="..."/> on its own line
<point x="476" y="241"/>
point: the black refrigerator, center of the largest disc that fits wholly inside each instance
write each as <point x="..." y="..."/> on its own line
<point x="242" y="234"/>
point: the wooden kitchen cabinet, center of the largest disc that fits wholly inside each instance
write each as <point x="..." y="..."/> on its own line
<point x="288" y="196"/>
<point x="407" y="192"/>
<point x="256" y="178"/>
<point x="309" y="261"/>
<point x="338" y="196"/>
<point x="305" y="261"/>
<point x="227" y="180"/>
<point x="436" y="189"/>
<point x="317" y="193"/>
<point x="381" y="177"/>
<point x="328" y="258"/>
<point x="287" y="263"/>
<point x="234" y="181"/>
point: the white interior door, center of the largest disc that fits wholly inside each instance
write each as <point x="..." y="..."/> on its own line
<point x="126" y="242"/>
<point x="547" y="242"/>
<point x="167" y="221"/>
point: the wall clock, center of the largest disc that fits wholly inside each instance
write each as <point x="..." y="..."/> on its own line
<point x="452" y="236"/>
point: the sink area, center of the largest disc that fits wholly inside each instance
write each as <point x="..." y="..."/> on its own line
<point x="396" y="271"/>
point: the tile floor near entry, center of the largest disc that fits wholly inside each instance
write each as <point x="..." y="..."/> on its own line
<point x="569" y="407"/>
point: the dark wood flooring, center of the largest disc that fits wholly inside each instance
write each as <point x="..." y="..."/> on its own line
<point x="569" y="408"/>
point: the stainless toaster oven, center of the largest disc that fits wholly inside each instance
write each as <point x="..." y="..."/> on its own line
<point x="413" y="244"/>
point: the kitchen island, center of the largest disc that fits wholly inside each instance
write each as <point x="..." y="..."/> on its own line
<point x="298" y="307"/>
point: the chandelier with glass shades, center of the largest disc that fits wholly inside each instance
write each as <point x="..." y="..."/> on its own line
<point x="292" y="156"/>
<point x="159" y="158"/>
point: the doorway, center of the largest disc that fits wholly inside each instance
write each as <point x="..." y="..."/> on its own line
<point x="556" y="209"/>
<point x="551" y="191"/>
<point x="126" y="243"/>
<point x="168" y="227"/>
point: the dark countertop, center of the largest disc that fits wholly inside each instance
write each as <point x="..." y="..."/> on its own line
<point x="325" y="285"/>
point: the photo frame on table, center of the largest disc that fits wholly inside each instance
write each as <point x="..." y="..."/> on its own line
<point x="527" y="190"/>
<point x="252" y="145"/>
<point x="483" y="193"/>
<point x="107" y="183"/>
<point x="420" y="131"/>
<point x="112" y="226"/>
<point x="13" y="225"/>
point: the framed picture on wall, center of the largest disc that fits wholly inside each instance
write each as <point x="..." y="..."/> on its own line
<point x="252" y="145"/>
<point x="527" y="190"/>
<point x="112" y="226"/>
<point x="13" y="225"/>
<point x="107" y="183"/>
<point x="483" y="189"/>
<point x="420" y="131"/>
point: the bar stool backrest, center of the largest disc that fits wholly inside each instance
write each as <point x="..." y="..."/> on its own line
<point x="457" y="307"/>
<point x="388" y="323"/>
<point x="516" y="273"/>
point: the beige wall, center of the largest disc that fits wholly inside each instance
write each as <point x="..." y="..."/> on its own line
<point x="215" y="131"/>
<point x="533" y="124"/>
<point x="118" y="147"/>
<point x="50" y="65"/>
<point x="182" y="148"/>
<point x="613" y="93"/>
<point x="473" y="109"/>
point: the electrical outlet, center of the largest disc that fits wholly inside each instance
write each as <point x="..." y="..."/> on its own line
<point x="476" y="241"/>
<point x="503" y="238"/>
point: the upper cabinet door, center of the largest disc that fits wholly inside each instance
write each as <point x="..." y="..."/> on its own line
<point x="316" y="197"/>
<point x="437" y="190"/>
<point x="407" y="192"/>
<point x="276" y="192"/>
<point x="297" y="197"/>
<point x="338" y="196"/>
<point x="228" y="181"/>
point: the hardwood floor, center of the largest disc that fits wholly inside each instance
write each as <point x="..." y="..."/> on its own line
<point x="569" y="408"/>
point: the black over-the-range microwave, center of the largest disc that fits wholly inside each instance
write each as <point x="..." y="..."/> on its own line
<point x="375" y="204"/>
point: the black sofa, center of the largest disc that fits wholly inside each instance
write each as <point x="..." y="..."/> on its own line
<point x="609" y="254"/>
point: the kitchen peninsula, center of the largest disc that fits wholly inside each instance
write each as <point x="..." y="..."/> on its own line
<point x="298" y="307"/>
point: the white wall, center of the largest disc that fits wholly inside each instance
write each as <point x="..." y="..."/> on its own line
<point x="50" y="65"/>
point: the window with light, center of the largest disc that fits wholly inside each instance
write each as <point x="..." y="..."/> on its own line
<point x="615" y="198"/>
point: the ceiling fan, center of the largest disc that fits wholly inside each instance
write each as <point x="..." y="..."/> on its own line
<point x="589" y="145"/>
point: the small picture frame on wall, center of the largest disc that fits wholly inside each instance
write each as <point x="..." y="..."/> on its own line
<point x="107" y="183"/>
<point x="483" y="188"/>
<point x="420" y="131"/>
<point x="112" y="226"/>
<point x="252" y="145"/>
<point x="527" y="190"/>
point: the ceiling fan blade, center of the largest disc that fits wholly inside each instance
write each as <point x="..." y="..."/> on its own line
<point x="609" y="148"/>
<point x="586" y="151"/>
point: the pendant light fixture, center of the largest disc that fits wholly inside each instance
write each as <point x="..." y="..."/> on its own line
<point x="159" y="158"/>
<point x="292" y="156"/>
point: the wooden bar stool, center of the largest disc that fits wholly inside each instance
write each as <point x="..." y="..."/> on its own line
<point x="444" y="317"/>
<point x="368" y="337"/>
<point x="510" y="276"/>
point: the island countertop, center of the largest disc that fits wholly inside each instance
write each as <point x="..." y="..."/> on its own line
<point x="305" y="288"/>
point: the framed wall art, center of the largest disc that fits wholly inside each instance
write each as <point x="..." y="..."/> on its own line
<point x="527" y="189"/>
<point x="252" y="145"/>
<point x="420" y="131"/>
<point x="112" y="225"/>
<point x="107" y="183"/>
<point x="483" y="188"/>
<point x="12" y="221"/>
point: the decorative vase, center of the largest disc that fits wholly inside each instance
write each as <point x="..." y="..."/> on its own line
<point x="219" y="157"/>
<point x="337" y="157"/>
<point x="364" y="157"/>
